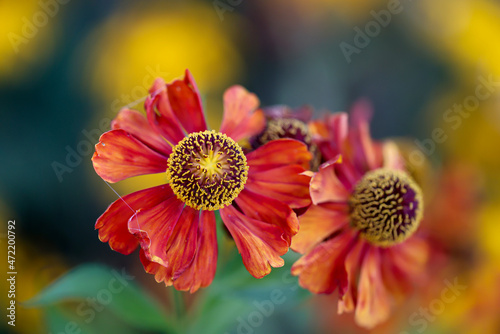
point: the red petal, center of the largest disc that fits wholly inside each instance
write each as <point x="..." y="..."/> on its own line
<point x="318" y="223"/>
<point x="241" y="119"/>
<point x="322" y="270"/>
<point x="160" y="114"/>
<point x="269" y="210"/>
<point x="154" y="268"/>
<point x="202" y="271"/>
<point x="278" y="153"/>
<point x="325" y="185"/>
<point x="154" y="227"/>
<point x="260" y="244"/>
<point x="119" y="155"/>
<point x="137" y="125"/>
<point x="373" y="305"/>
<point x="183" y="243"/>
<point x="112" y="224"/>
<point x="285" y="184"/>
<point x="185" y="101"/>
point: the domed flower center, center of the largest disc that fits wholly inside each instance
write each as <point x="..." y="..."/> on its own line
<point x="207" y="170"/>
<point x="289" y="128"/>
<point x="386" y="207"/>
<point x="285" y="128"/>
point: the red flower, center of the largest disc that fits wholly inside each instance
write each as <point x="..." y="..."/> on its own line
<point x="358" y="236"/>
<point x="206" y="171"/>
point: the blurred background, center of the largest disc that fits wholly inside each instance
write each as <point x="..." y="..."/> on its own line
<point x="431" y="70"/>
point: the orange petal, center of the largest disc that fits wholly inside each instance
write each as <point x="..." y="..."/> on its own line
<point x="112" y="224"/>
<point x="318" y="223"/>
<point x="269" y="210"/>
<point x="411" y="256"/>
<point x="185" y="101"/>
<point x="119" y="155"/>
<point x="154" y="227"/>
<point x="202" y="271"/>
<point x="260" y="244"/>
<point x="137" y="125"/>
<point x="322" y="270"/>
<point x="325" y="185"/>
<point x="330" y="134"/>
<point x="367" y="154"/>
<point x="241" y="119"/>
<point x="347" y="302"/>
<point x="278" y="153"/>
<point x="392" y="158"/>
<point x="160" y="114"/>
<point x="285" y="184"/>
<point x="373" y="305"/>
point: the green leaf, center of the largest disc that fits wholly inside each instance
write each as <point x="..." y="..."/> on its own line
<point x="96" y="288"/>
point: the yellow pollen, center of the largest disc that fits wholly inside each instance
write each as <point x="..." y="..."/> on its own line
<point x="207" y="170"/>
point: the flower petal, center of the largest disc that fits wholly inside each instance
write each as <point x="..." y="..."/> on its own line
<point x="241" y="119"/>
<point x="367" y="154"/>
<point x="269" y="210"/>
<point x="392" y="158"/>
<point x="183" y="243"/>
<point x="137" y="125"/>
<point x="325" y="186"/>
<point x="154" y="227"/>
<point x="318" y="223"/>
<point x="185" y="101"/>
<point x="260" y="244"/>
<point x="112" y="224"/>
<point x="303" y="113"/>
<point x="119" y="155"/>
<point x="285" y="184"/>
<point x="373" y="305"/>
<point x="160" y="114"/>
<point x="322" y="270"/>
<point x="156" y="269"/>
<point x="171" y="243"/>
<point x="330" y="134"/>
<point x="347" y="302"/>
<point x="278" y="153"/>
<point x="202" y="271"/>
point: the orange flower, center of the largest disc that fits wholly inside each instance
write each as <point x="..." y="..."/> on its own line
<point x="358" y="236"/>
<point x="206" y="171"/>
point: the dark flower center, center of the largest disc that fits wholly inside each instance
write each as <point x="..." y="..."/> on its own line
<point x="292" y="128"/>
<point x="207" y="170"/>
<point x="386" y="207"/>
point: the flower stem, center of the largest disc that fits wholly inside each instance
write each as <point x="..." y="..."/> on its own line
<point x="180" y="308"/>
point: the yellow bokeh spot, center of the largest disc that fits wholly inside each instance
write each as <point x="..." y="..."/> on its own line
<point x="27" y="37"/>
